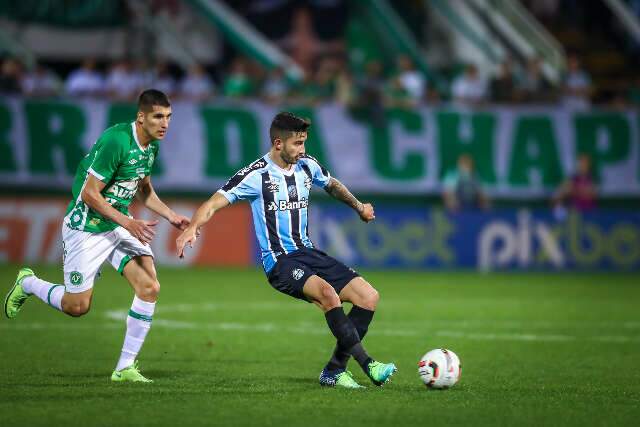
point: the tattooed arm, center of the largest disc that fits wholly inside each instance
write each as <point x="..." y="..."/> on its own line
<point x="338" y="191"/>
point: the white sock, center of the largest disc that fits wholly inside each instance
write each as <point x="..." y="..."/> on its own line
<point x="138" y="325"/>
<point x="50" y="293"/>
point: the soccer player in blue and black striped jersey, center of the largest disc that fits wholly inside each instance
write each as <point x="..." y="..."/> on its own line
<point x="277" y="185"/>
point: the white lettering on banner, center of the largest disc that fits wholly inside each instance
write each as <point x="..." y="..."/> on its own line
<point x="550" y="245"/>
<point x="497" y="232"/>
<point x="501" y="244"/>
<point x="405" y="156"/>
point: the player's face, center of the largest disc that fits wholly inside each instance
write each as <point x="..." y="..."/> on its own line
<point x="155" y="122"/>
<point x="293" y="148"/>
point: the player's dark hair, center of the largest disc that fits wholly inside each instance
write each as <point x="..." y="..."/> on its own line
<point x="151" y="97"/>
<point x="285" y="124"/>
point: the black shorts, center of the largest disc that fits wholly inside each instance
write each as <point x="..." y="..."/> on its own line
<point x="292" y="271"/>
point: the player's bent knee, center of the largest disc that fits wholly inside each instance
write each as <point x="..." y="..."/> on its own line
<point x="330" y="298"/>
<point x="77" y="309"/>
<point x="370" y="301"/>
<point x="148" y="291"/>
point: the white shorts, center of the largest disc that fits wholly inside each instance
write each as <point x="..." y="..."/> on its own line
<point x="85" y="252"/>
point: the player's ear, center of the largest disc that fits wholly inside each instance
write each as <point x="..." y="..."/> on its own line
<point x="140" y="116"/>
<point x="277" y="143"/>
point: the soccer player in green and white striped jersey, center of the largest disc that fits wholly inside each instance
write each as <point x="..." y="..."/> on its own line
<point x="97" y="227"/>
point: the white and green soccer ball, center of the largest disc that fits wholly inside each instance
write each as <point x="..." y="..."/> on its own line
<point x="440" y="368"/>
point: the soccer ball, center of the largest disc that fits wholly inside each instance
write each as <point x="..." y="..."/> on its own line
<point x="440" y="368"/>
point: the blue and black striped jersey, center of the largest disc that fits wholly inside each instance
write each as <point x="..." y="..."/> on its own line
<point x="279" y="203"/>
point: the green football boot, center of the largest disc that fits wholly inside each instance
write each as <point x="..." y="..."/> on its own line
<point x="17" y="296"/>
<point x="338" y="378"/>
<point x="132" y="373"/>
<point x="345" y="379"/>
<point x="380" y="373"/>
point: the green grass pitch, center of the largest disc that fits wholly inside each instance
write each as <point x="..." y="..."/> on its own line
<point x="226" y="349"/>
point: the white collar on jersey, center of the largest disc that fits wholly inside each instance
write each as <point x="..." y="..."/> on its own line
<point x="135" y="137"/>
<point x="284" y="171"/>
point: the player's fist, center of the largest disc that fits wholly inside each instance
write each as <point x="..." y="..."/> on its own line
<point x="188" y="237"/>
<point x="179" y="221"/>
<point x="366" y="212"/>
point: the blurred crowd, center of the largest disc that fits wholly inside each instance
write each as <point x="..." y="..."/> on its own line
<point x="330" y="79"/>
<point x="315" y="35"/>
<point x="463" y="189"/>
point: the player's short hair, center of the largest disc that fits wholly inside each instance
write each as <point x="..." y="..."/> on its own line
<point x="285" y="124"/>
<point x="151" y="97"/>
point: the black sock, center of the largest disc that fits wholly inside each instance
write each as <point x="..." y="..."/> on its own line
<point x="361" y="318"/>
<point x="347" y="336"/>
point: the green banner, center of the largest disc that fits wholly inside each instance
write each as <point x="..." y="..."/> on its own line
<point x="519" y="152"/>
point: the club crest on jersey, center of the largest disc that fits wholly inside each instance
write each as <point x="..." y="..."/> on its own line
<point x="75" y="277"/>
<point x="293" y="191"/>
<point x="297" y="274"/>
<point x="307" y="183"/>
<point x="151" y="159"/>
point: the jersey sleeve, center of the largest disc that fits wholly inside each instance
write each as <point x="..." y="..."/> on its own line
<point x="242" y="188"/>
<point x="319" y="175"/>
<point x="107" y="158"/>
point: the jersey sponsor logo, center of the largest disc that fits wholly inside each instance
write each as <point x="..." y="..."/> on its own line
<point x="75" y="277"/>
<point x="297" y="274"/>
<point x="284" y="205"/>
<point x="123" y="189"/>
<point x="256" y="165"/>
<point x="272" y="185"/>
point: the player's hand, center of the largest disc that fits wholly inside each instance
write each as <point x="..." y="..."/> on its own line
<point x="142" y="230"/>
<point x="188" y="237"/>
<point x="179" y="221"/>
<point x="366" y="212"/>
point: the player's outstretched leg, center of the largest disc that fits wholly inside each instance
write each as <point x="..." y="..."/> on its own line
<point x="138" y="326"/>
<point x="28" y="284"/>
<point x="323" y="294"/>
<point x="348" y="338"/>
<point x="364" y="299"/>
<point x="335" y="372"/>
<point x="140" y="272"/>
<point x="361" y="318"/>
